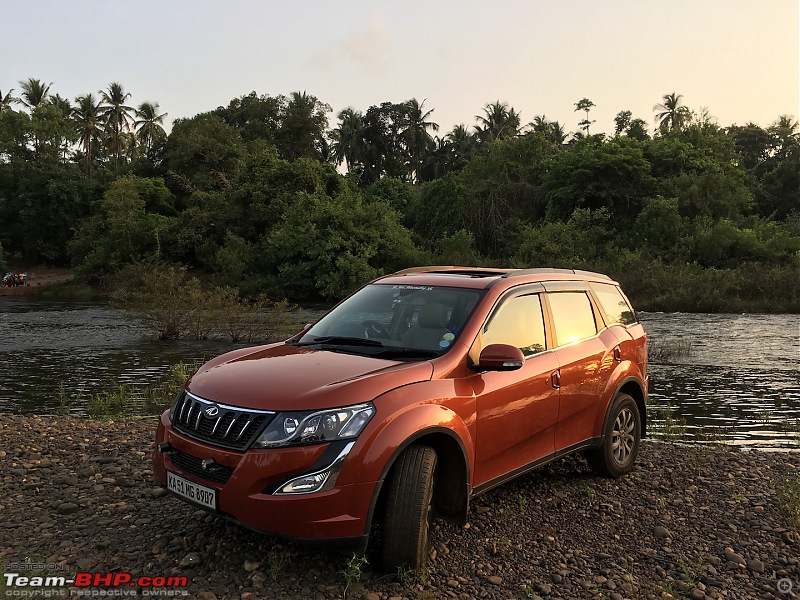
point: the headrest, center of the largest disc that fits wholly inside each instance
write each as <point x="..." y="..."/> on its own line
<point x="433" y="316"/>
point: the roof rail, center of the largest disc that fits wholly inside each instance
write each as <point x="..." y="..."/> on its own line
<point x="455" y="270"/>
<point x="544" y="271"/>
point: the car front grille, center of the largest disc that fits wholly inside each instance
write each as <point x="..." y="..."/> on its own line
<point x="193" y="465"/>
<point x="218" y="424"/>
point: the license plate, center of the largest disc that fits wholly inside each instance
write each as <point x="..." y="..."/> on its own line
<point x="193" y="492"/>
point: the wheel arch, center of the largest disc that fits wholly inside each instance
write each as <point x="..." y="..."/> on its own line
<point x="451" y="498"/>
<point x="633" y="388"/>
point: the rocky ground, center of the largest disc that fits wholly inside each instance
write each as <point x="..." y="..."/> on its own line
<point x="688" y="522"/>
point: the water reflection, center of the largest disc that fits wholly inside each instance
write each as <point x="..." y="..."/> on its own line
<point x="740" y="385"/>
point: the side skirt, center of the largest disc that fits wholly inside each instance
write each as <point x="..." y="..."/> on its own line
<point x="493" y="483"/>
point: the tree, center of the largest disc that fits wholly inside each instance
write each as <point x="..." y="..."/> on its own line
<point x="302" y="128"/>
<point x="633" y="128"/>
<point x="417" y="139"/>
<point x="671" y="115"/>
<point x="6" y="100"/>
<point x="498" y="122"/>
<point x="34" y="93"/>
<point x="348" y="139"/>
<point x="117" y="117"/>
<point x="552" y="130"/>
<point x="585" y="105"/>
<point x="149" y="124"/>
<point x="87" y="116"/>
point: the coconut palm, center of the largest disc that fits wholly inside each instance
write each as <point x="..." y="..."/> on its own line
<point x="671" y="115"/>
<point x="498" y="122"/>
<point x="415" y="134"/>
<point x="7" y="100"/>
<point x="88" y="117"/>
<point x="348" y="139"/>
<point x="63" y="105"/>
<point x="149" y="124"/>
<point x="552" y="130"/>
<point x="34" y="93"/>
<point x="117" y="118"/>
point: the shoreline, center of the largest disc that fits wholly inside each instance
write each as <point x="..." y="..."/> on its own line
<point x="699" y="521"/>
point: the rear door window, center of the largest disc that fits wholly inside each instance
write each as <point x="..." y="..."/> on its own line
<point x="573" y="316"/>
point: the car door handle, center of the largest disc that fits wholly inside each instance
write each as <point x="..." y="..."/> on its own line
<point x="555" y="378"/>
<point x="617" y="354"/>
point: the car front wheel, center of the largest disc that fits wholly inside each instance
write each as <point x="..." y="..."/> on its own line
<point x="409" y="509"/>
<point x="622" y="433"/>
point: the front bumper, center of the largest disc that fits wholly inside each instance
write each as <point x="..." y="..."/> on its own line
<point x="338" y="514"/>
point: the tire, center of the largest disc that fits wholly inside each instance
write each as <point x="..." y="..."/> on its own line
<point x="622" y="433"/>
<point x="409" y="510"/>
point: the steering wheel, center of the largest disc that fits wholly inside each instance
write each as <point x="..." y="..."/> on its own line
<point x="373" y="329"/>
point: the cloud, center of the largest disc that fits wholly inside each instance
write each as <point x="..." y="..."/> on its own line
<point x="367" y="49"/>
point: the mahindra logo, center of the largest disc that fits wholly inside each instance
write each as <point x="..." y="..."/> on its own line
<point x="212" y="411"/>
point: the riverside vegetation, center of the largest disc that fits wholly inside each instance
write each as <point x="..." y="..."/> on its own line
<point x="693" y="216"/>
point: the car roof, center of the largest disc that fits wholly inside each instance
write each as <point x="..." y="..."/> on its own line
<point x="485" y="277"/>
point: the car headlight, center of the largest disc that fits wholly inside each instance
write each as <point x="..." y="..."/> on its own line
<point x="315" y="427"/>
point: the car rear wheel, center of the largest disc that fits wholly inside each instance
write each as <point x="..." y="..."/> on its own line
<point x="409" y="509"/>
<point x="622" y="433"/>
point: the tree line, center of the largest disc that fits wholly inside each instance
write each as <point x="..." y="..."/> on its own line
<point x="271" y="194"/>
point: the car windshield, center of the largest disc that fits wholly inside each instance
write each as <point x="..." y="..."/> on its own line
<point x="396" y="321"/>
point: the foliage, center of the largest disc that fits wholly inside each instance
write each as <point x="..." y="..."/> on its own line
<point x="248" y="199"/>
<point x="174" y="305"/>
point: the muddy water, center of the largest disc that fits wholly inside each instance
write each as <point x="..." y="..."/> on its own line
<point x="739" y="384"/>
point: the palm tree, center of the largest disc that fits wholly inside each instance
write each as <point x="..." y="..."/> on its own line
<point x="498" y="122"/>
<point x="417" y="139"/>
<point x="34" y="92"/>
<point x="552" y="130"/>
<point x="88" y="116"/>
<point x="348" y="139"/>
<point x="63" y="105"/>
<point x="7" y="100"/>
<point x="117" y="118"/>
<point x="671" y="115"/>
<point x="149" y="124"/>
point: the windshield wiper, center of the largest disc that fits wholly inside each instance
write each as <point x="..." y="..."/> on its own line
<point x="406" y="352"/>
<point x="341" y="340"/>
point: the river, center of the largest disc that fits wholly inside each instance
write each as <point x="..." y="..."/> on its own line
<point x="738" y="385"/>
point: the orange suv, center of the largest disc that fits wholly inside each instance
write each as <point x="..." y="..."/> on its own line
<point x="417" y="392"/>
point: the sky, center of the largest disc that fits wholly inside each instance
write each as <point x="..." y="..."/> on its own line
<point x="738" y="58"/>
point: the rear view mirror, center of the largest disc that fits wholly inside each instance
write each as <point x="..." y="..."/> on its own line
<point x="500" y="357"/>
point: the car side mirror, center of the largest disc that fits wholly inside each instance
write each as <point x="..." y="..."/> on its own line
<point x="500" y="357"/>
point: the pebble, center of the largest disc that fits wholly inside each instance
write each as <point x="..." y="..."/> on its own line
<point x="550" y="545"/>
<point x="731" y="556"/>
<point x="67" y="508"/>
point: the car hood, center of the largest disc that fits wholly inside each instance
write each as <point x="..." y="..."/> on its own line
<point x="286" y="377"/>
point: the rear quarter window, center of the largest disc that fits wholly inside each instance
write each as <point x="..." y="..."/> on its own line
<point x="613" y="304"/>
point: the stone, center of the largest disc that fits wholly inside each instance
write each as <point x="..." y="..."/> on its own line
<point x="67" y="508"/>
<point x="755" y="565"/>
<point x="494" y="579"/>
<point x="731" y="556"/>
<point x="251" y="565"/>
<point x="697" y="594"/>
<point x="191" y="559"/>
<point x="661" y="532"/>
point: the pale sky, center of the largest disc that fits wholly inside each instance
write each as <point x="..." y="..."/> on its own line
<point x="739" y="58"/>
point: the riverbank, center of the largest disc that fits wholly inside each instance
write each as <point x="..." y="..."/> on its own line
<point x="688" y="522"/>
<point x="39" y="280"/>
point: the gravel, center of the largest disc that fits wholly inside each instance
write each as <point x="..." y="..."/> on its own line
<point x="688" y="522"/>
